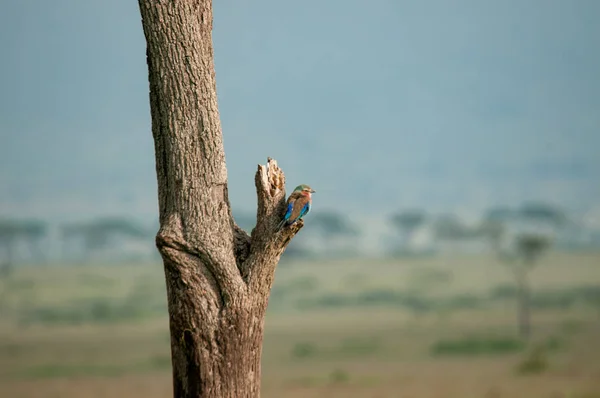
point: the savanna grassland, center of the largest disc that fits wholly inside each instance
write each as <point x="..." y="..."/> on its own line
<point x="423" y="327"/>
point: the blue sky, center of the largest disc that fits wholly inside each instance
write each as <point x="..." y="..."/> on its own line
<point x="379" y="105"/>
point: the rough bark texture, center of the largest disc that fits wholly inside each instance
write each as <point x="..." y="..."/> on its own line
<point x="218" y="278"/>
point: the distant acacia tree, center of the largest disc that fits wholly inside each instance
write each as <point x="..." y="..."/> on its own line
<point x="97" y="235"/>
<point x="12" y="232"/>
<point x="331" y="223"/>
<point x="538" y="217"/>
<point x="543" y="213"/>
<point x="332" y="230"/>
<point x="448" y="229"/>
<point x="493" y="231"/>
<point x="499" y="214"/>
<point x="493" y="226"/>
<point x="218" y="277"/>
<point x="527" y="247"/>
<point x="407" y="222"/>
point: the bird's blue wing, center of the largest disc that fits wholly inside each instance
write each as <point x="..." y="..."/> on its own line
<point x="305" y="210"/>
<point x="288" y="212"/>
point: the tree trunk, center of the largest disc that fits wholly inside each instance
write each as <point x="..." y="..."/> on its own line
<point x="523" y="302"/>
<point x="218" y="278"/>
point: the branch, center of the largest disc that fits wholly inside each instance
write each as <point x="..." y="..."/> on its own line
<point x="266" y="243"/>
<point x="270" y="189"/>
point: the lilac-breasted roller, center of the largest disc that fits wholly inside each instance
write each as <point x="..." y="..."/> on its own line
<point x="298" y="205"/>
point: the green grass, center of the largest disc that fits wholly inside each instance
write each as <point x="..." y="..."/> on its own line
<point x="477" y="346"/>
<point x="332" y="324"/>
<point x="535" y="362"/>
<point x="338" y="376"/>
<point x="304" y="350"/>
<point x="349" y="347"/>
<point x="56" y="370"/>
<point x="421" y="285"/>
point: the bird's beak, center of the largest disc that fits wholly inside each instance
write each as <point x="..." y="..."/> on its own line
<point x="312" y="191"/>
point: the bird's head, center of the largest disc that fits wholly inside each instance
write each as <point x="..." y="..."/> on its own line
<point x="304" y="189"/>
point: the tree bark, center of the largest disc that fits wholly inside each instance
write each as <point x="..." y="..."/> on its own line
<point x="218" y="277"/>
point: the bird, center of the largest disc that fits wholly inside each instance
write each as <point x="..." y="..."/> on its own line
<point x="297" y="205"/>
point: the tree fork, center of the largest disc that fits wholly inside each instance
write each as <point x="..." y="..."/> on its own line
<point x="218" y="277"/>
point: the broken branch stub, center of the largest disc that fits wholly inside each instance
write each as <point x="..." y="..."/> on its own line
<point x="267" y="243"/>
<point x="270" y="190"/>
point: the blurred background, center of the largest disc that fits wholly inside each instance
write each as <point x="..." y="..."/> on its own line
<point x="453" y="249"/>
